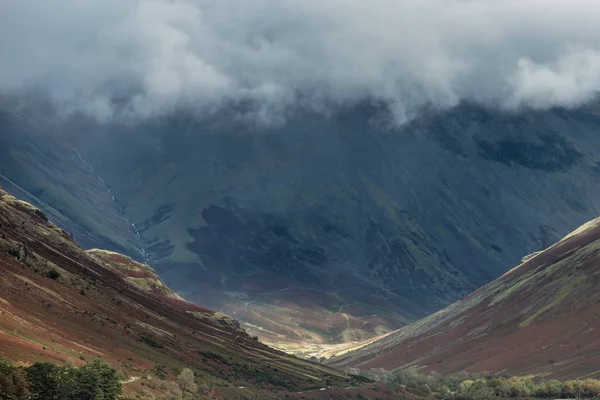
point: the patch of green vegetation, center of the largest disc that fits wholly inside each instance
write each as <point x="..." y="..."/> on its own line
<point x="381" y="330"/>
<point x="14" y="252"/>
<point x="160" y="371"/>
<point x="507" y="291"/>
<point x="465" y="386"/>
<point x="41" y="214"/>
<point x="53" y="274"/>
<point x="47" y="381"/>
<point x="564" y="291"/>
<point x="145" y="284"/>
<point x="211" y="355"/>
<point x="30" y="209"/>
<point x="150" y="341"/>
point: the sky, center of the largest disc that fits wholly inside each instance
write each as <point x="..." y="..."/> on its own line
<point x="155" y="55"/>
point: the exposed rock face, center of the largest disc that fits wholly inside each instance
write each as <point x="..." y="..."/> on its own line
<point x="330" y="228"/>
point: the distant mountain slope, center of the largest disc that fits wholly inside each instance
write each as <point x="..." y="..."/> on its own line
<point x="329" y="228"/>
<point x="39" y="166"/>
<point x="61" y="304"/>
<point x="540" y="318"/>
<point x="334" y="228"/>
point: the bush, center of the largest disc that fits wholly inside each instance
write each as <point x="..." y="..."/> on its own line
<point x="14" y="252"/>
<point x="53" y="274"/>
<point x="173" y="391"/>
<point x="159" y="370"/>
<point x="186" y="381"/>
<point x="150" y="341"/>
<point x="41" y="214"/>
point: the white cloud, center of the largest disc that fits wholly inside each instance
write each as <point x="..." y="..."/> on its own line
<point x="571" y="81"/>
<point x="160" y="53"/>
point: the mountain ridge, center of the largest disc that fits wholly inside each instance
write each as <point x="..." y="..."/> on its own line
<point x="346" y="208"/>
<point x="343" y="198"/>
<point x="539" y="318"/>
<point x="39" y="165"/>
<point x="61" y="304"/>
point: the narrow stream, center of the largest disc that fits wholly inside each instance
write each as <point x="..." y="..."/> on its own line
<point x="134" y="228"/>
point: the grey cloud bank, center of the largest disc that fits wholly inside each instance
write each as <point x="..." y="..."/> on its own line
<point x="163" y="53"/>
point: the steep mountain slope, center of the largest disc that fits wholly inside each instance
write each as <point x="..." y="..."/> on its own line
<point x="333" y="228"/>
<point x="61" y="304"/>
<point x="540" y="318"/>
<point x="38" y="166"/>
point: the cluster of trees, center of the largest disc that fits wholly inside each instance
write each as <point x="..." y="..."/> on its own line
<point x="182" y="387"/>
<point x="466" y="386"/>
<point x="93" y="381"/>
<point x="47" y="381"/>
<point x="490" y="388"/>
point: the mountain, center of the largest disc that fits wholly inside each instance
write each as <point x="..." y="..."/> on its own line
<point x="39" y="166"/>
<point x="540" y="318"/>
<point x="334" y="227"/>
<point x="61" y="304"/>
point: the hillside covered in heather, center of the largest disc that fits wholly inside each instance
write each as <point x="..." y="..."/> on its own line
<point x="539" y="319"/>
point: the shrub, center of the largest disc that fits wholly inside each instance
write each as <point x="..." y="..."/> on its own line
<point x="173" y="391"/>
<point x="159" y="370"/>
<point x="150" y="341"/>
<point x="14" y="252"/>
<point x="211" y="355"/>
<point x="186" y="381"/>
<point x="41" y="214"/>
<point x="53" y="274"/>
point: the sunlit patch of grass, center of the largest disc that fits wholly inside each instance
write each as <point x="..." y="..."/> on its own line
<point x="564" y="291"/>
<point x="507" y="291"/>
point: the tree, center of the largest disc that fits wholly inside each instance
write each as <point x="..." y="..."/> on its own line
<point x="43" y="382"/>
<point x="13" y="381"/>
<point x="186" y="381"/>
<point x="104" y="377"/>
<point x="173" y="391"/>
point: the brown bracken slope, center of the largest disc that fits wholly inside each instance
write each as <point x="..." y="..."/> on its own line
<point x="61" y="304"/>
<point x="540" y="318"/>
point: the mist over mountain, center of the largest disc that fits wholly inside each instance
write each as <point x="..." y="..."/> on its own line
<point x="139" y="59"/>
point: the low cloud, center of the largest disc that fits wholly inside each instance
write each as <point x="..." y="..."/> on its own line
<point x="150" y="56"/>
